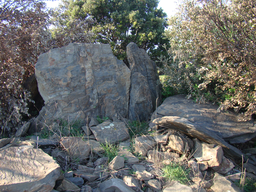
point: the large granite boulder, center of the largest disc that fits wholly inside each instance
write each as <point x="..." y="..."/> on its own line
<point x="24" y="168"/>
<point x="86" y="80"/>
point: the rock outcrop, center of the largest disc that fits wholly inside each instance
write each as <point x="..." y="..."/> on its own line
<point x="81" y="80"/>
<point x="86" y="80"/>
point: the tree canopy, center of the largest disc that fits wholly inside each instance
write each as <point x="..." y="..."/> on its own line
<point x="118" y="22"/>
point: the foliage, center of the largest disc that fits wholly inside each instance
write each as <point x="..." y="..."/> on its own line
<point x="23" y="33"/>
<point x="24" y="36"/>
<point x="169" y="88"/>
<point x="249" y="185"/>
<point x="110" y="151"/>
<point x="118" y="22"/>
<point x="176" y="172"/>
<point x="213" y="49"/>
<point x="137" y="128"/>
<point x="101" y="120"/>
<point x="63" y="128"/>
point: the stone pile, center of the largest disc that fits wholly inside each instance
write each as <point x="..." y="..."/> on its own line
<point x="136" y="167"/>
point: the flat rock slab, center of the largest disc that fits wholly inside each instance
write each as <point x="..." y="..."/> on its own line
<point x="110" y="132"/>
<point x="27" y="169"/>
<point x="226" y="125"/>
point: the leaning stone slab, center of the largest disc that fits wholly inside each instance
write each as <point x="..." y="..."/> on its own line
<point x="197" y="131"/>
<point x="110" y="132"/>
<point x="115" y="185"/>
<point x="27" y="169"/>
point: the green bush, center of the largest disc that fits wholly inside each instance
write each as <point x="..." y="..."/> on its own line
<point x="213" y="52"/>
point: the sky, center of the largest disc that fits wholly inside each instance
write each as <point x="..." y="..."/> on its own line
<point x="169" y="6"/>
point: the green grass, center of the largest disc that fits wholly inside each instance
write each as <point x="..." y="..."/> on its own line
<point x="110" y="151"/>
<point x="64" y="128"/>
<point x="176" y="172"/>
<point x="249" y="185"/>
<point x="137" y="128"/>
<point x="101" y="120"/>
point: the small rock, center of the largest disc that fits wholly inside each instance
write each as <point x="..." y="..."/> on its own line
<point x="76" y="148"/>
<point x="221" y="184"/>
<point x="86" y="188"/>
<point x="224" y="167"/>
<point x="115" y="185"/>
<point x="85" y="169"/>
<point x="131" y="181"/>
<point x="93" y="122"/>
<point x="155" y="185"/>
<point x="206" y="152"/>
<point x="86" y="130"/>
<point x="177" y="187"/>
<point x="47" y="143"/>
<point x="161" y="139"/>
<point x="137" y="167"/>
<point x="68" y="186"/>
<point x="68" y="174"/>
<point x="197" y="188"/>
<point x="76" y="180"/>
<point x="203" y="165"/>
<point x="117" y="163"/>
<point x="157" y="156"/>
<point x="144" y="175"/>
<point x="124" y="148"/>
<point x="101" y="161"/>
<point x="143" y="144"/>
<point x="5" y="141"/>
<point x="111" y="132"/>
<point x="176" y="143"/>
<point x="95" y="146"/>
<point x="87" y="176"/>
<point x="195" y="169"/>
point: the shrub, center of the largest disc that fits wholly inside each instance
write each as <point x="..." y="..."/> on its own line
<point x="24" y="36"/>
<point x="213" y="48"/>
<point x="22" y="28"/>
